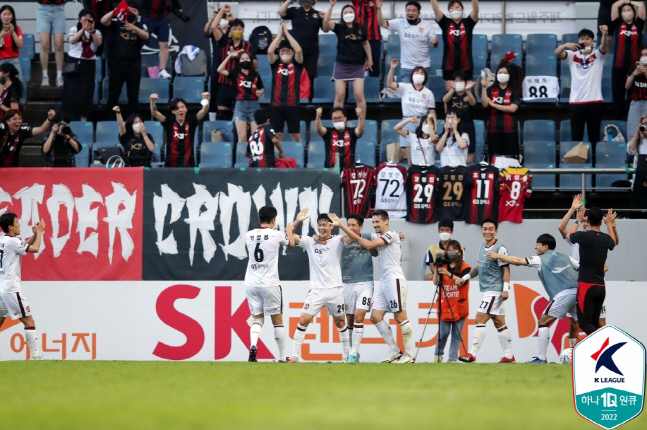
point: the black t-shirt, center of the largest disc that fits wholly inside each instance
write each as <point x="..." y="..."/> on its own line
<point x="127" y="45"/>
<point x="461" y="104"/>
<point x="11" y="144"/>
<point x="349" y="44"/>
<point x="179" y="141"/>
<point x="61" y="153"/>
<point x="9" y="95"/>
<point x="305" y="28"/>
<point x="594" y="246"/>
<point x="137" y="153"/>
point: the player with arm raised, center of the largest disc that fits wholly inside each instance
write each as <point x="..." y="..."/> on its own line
<point x="263" y="288"/>
<point x="494" y="285"/>
<point x="12" y="301"/>
<point x="391" y="295"/>
<point x="558" y="275"/>
<point x="324" y="259"/>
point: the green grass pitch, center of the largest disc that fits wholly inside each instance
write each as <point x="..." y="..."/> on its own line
<point x="198" y="395"/>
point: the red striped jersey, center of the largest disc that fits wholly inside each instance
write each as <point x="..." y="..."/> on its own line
<point x="245" y="86"/>
<point x="452" y="194"/>
<point x="421" y="193"/>
<point x="51" y="1"/>
<point x="390" y="194"/>
<point x="179" y="141"/>
<point x="457" y="44"/>
<point x="226" y="45"/>
<point x="359" y="182"/>
<point x="627" y="39"/>
<point x="484" y="193"/>
<point x="515" y="185"/>
<point x="502" y="122"/>
<point x="366" y="15"/>
<point x="638" y="90"/>
<point x="286" y="83"/>
<point x="261" y="147"/>
<point x="342" y="142"/>
<point x="157" y="9"/>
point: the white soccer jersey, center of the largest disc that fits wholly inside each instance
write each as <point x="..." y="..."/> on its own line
<point x="415" y="41"/>
<point x="389" y="257"/>
<point x="452" y="154"/>
<point x="586" y="77"/>
<point x="11" y="251"/>
<point x="422" y="150"/>
<point x="390" y="192"/>
<point x="575" y="249"/>
<point x="263" y="246"/>
<point x="415" y="103"/>
<point x="324" y="260"/>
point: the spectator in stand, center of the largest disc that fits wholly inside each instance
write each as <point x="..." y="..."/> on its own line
<point x="366" y="16"/>
<point x="10" y="38"/>
<point x="126" y="58"/>
<point x="286" y="84"/>
<point x="155" y="18"/>
<point x="78" y="90"/>
<point x="415" y="37"/>
<point x="460" y="99"/>
<point x="249" y="88"/>
<point x="216" y="57"/>
<point x="180" y="130"/>
<point x="417" y="100"/>
<point x="260" y="147"/>
<point x="232" y="41"/>
<point x="340" y="139"/>
<point x="586" y="66"/>
<point x="503" y="99"/>
<point x="99" y="8"/>
<point x="13" y="134"/>
<point x="457" y="39"/>
<point x="50" y="18"/>
<point x="636" y="84"/>
<point x="138" y="145"/>
<point x="452" y="145"/>
<point x="61" y="146"/>
<point x="627" y="30"/>
<point x="353" y="51"/>
<point x="306" y="23"/>
<point x="10" y="88"/>
<point x="422" y="142"/>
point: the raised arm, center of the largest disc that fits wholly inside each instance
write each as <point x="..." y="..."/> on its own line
<point x="298" y="51"/>
<point x="437" y="11"/>
<point x="389" y="78"/>
<point x="485" y="100"/>
<point x="517" y="261"/>
<point x="154" y="112"/>
<point x="610" y="221"/>
<point x="563" y="224"/>
<point x="215" y="27"/>
<point x="45" y="125"/>
<point x="295" y="239"/>
<point x="204" y="111"/>
<point x="615" y="7"/>
<point x="359" y="130"/>
<point x="328" y="25"/>
<point x="399" y="127"/>
<point x="560" y="50"/>
<point x="271" y="50"/>
<point x="364" y="243"/>
<point x="380" y="18"/>
<point x="606" y="39"/>
<point x="107" y="18"/>
<point x="50" y="139"/>
<point x="579" y="217"/>
<point x="319" y="128"/>
<point x="283" y="9"/>
<point x="35" y="245"/>
<point x="475" y="11"/>
<point x="120" y="120"/>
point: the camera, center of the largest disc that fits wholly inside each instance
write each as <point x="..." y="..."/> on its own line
<point x="440" y="262"/>
<point x="90" y="21"/>
<point x="64" y="129"/>
<point x="642" y="128"/>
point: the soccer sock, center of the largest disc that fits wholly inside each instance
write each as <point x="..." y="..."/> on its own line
<point x="45" y="74"/>
<point x="506" y="341"/>
<point x="59" y="73"/>
<point x="542" y="338"/>
<point x="279" y="336"/>
<point x="299" y="335"/>
<point x="385" y="331"/>
<point x="358" y="334"/>
<point x="345" y="340"/>
<point x="350" y="333"/>
<point x="407" y="337"/>
<point x="255" y="330"/>
<point x="479" y="337"/>
<point x="32" y="337"/>
<point x="572" y="341"/>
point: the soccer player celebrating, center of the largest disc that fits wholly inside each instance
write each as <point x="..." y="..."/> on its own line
<point x="12" y="301"/>
<point x="494" y="285"/>
<point x="391" y="295"/>
<point x="557" y="273"/>
<point x="324" y="254"/>
<point x="263" y="288"/>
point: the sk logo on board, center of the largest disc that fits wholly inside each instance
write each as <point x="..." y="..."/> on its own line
<point x="609" y="377"/>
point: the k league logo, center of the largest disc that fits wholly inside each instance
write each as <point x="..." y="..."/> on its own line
<point x="609" y="377"/>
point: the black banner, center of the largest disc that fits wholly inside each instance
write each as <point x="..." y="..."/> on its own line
<point x="195" y="220"/>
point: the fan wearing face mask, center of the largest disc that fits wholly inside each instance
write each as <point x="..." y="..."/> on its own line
<point x="138" y="145"/>
<point x="339" y="139"/>
<point x="460" y="99"/>
<point x="421" y="142"/>
<point x="502" y="129"/>
<point x="636" y="85"/>
<point x="452" y="144"/>
<point x="445" y="231"/>
<point x="457" y="38"/>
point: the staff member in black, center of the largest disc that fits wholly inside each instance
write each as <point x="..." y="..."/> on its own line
<point x="61" y="146"/>
<point x="138" y="145"/>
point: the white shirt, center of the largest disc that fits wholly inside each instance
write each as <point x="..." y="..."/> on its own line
<point x="263" y="246"/>
<point x="420" y="146"/>
<point x="640" y="149"/>
<point x="452" y="154"/>
<point x="414" y="42"/>
<point x="11" y="251"/>
<point x="324" y="261"/>
<point x="389" y="256"/>
<point x="76" y="49"/>
<point x="586" y="83"/>
<point x="414" y="102"/>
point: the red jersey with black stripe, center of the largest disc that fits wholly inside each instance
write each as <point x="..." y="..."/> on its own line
<point x="421" y="193"/>
<point x="261" y="147"/>
<point x="55" y="2"/>
<point x="626" y="41"/>
<point x="247" y="85"/>
<point x="366" y="16"/>
<point x="457" y="44"/>
<point x="484" y="193"/>
<point x="502" y="122"/>
<point x="359" y="182"/>
<point x="179" y="141"/>
<point x="342" y="143"/>
<point x="515" y="186"/>
<point x="286" y="83"/>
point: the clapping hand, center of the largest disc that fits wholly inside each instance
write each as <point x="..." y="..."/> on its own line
<point x="610" y="218"/>
<point x="335" y="219"/>
<point x="577" y="202"/>
<point x="303" y="215"/>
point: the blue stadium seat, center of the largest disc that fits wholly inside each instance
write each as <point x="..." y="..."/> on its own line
<point x="566" y="146"/>
<point x="371" y="90"/>
<point x="151" y="60"/>
<point x="610" y="155"/>
<point x="264" y="67"/>
<point x="436" y="56"/>
<point x="541" y="44"/>
<point x="316" y="155"/>
<point x="224" y="127"/>
<point x="437" y="86"/>
<point x="565" y="81"/>
<point x="97" y="147"/>
<point x="107" y="133"/>
<point x="328" y="44"/>
<point x="190" y="88"/>
<point x="82" y="159"/>
<point x="574" y="180"/>
<point x="541" y="65"/>
<point x="294" y="150"/>
<point x="23" y="98"/>
<point x="28" y="49"/>
<point x="387" y="135"/>
<point x="326" y="64"/>
<point x="366" y="143"/>
<point x="565" y="131"/>
<point x="266" y="98"/>
<point x="216" y="154"/>
<point x="393" y="45"/>
<point x="544" y="180"/>
<point x="365" y="153"/>
<point x="539" y="152"/>
<point x="84" y="130"/>
<point x="149" y="86"/>
<point x="314" y="136"/>
<point x="123" y="98"/>
<point x="155" y="129"/>
<point x="502" y="43"/>
<point x="241" y="160"/>
<point x="570" y="38"/>
<point x="98" y="69"/>
<point x="25" y="68"/>
<point x="607" y="92"/>
<point x="324" y="90"/>
<point x="479" y="45"/>
<point x="539" y="130"/>
<point x="479" y="127"/>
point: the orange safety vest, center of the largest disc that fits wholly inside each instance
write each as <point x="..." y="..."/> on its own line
<point x="457" y="295"/>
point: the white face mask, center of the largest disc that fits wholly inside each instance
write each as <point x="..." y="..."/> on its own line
<point x="643" y="61"/>
<point x="349" y="17"/>
<point x="502" y="78"/>
<point x="339" y="126"/>
<point x="460" y="86"/>
<point x="445" y="236"/>
<point x="418" y="79"/>
<point x="286" y="58"/>
<point x="224" y="23"/>
<point x="586" y="49"/>
<point x="456" y="14"/>
<point x="137" y="127"/>
<point x="425" y="129"/>
<point x="627" y="15"/>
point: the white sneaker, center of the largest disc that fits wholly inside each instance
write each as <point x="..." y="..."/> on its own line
<point x="392" y="357"/>
<point x="37" y="356"/>
<point x="45" y="81"/>
<point x="59" y="81"/>
<point x="164" y="74"/>
<point x="406" y="358"/>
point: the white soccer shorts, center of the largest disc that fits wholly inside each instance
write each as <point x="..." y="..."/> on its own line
<point x="391" y="296"/>
<point x="358" y="296"/>
<point x="491" y="303"/>
<point x="265" y="300"/>
<point x="331" y="298"/>
<point x="564" y="303"/>
<point x="14" y="306"/>
<point x="603" y="313"/>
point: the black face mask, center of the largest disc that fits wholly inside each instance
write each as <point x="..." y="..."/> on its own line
<point x="3" y="80"/>
<point x="412" y="21"/>
<point x="245" y="65"/>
